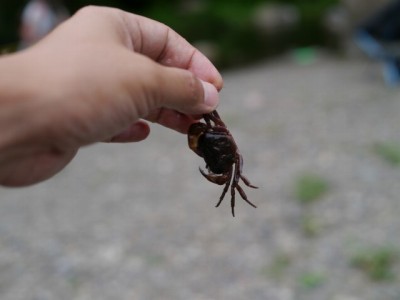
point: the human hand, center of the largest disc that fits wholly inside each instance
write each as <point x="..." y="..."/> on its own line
<point x="96" y="77"/>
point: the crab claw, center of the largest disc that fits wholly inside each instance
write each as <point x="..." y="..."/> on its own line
<point x="219" y="179"/>
<point x="195" y="131"/>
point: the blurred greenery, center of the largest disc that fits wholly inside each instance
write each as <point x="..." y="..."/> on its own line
<point x="310" y="225"/>
<point x="278" y="267"/>
<point x="226" y="26"/>
<point x="310" y="188"/>
<point x="376" y="263"/>
<point x="311" y="280"/>
<point x="388" y="151"/>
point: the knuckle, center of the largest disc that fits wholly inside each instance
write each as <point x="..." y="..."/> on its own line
<point x="87" y="10"/>
<point x="194" y="89"/>
<point x="91" y="11"/>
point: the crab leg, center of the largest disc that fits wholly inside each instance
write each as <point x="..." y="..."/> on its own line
<point x="247" y="182"/>
<point x="207" y="119"/>
<point x="227" y="184"/>
<point x="244" y="179"/>
<point x="233" y="186"/>
<point x="221" y="129"/>
<point x="235" y="182"/>
<point x="214" y="116"/>
<point x="244" y="196"/>
<point x="217" y="119"/>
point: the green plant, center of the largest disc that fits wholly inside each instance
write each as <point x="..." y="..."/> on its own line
<point x="310" y="187"/>
<point x="278" y="266"/>
<point x="310" y="280"/>
<point x="310" y="225"/>
<point x="388" y="151"/>
<point x="376" y="263"/>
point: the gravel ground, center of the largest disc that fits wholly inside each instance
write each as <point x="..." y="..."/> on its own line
<point x="138" y="221"/>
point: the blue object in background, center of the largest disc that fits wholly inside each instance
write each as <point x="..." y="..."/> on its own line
<point x="379" y="38"/>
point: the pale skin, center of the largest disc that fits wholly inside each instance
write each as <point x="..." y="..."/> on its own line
<point x="98" y="77"/>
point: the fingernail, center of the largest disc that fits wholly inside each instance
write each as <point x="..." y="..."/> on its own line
<point x="211" y="96"/>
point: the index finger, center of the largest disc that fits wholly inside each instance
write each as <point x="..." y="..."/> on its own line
<point x="162" y="44"/>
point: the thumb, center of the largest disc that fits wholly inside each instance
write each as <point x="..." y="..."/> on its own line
<point x="181" y="90"/>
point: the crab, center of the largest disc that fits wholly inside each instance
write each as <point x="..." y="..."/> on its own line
<point x="215" y="144"/>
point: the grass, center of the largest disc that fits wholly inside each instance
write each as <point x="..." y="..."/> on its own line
<point x="310" y="225"/>
<point x="310" y="188"/>
<point x="278" y="266"/>
<point x="376" y="263"/>
<point x="311" y="280"/>
<point x="388" y="151"/>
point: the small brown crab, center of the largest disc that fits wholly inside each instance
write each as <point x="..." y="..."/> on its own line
<point x="213" y="141"/>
